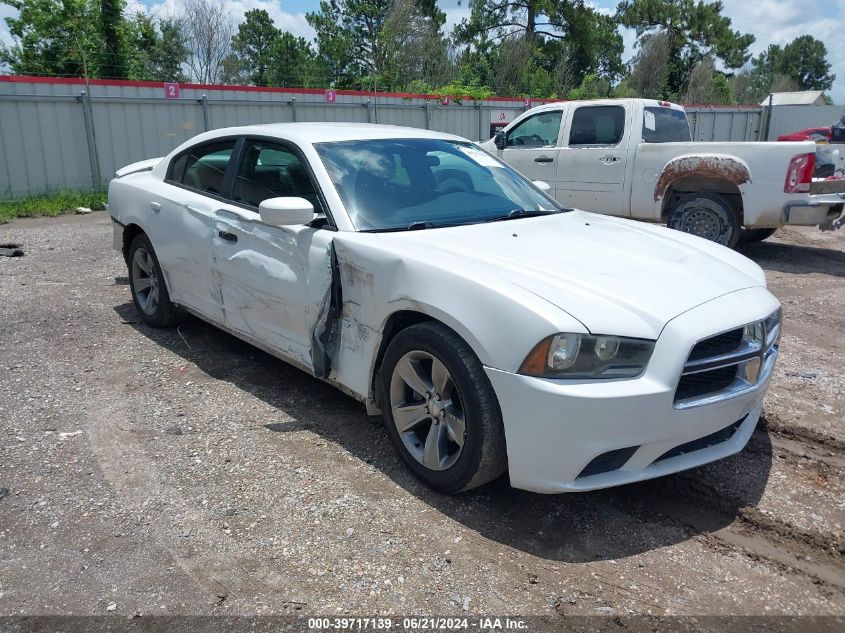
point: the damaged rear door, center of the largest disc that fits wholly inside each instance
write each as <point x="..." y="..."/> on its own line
<point x="275" y="281"/>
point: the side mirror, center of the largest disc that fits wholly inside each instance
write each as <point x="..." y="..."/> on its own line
<point x="286" y="211"/>
<point x="542" y="185"/>
<point x="500" y="140"/>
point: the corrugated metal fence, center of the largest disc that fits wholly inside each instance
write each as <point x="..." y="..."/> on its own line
<point x="66" y="133"/>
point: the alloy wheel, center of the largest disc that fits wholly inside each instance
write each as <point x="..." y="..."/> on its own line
<point x="427" y="410"/>
<point x="145" y="281"/>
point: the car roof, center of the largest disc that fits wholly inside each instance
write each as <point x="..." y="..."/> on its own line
<point x="321" y="132"/>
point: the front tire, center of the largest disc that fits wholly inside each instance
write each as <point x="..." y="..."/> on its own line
<point x="440" y="409"/>
<point x="146" y="281"/>
<point x="706" y="215"/>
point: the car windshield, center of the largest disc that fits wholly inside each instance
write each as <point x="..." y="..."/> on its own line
<point x="398" y="184"/>
<point x="665" y="125"/>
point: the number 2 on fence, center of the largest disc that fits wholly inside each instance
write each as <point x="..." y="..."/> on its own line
<point x="171" y="90"/>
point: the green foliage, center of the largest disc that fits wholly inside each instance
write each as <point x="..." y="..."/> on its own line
<point x="695" y="30"/>
<point x="291" y="62"/>
<point x="51" y="204"/>
<point x="564" y="39"/>
<point x="159" y="51"/>
<point x="804" y="59"/>
<point x="390" y="42"/>
<point x="459" y="92"/>
<point x="592" y="87"/>
<point x="253" y="45"/>
<point x="530" y="48"/>
<point x="115" y="61"/>
<point x="54" y="37"/>
<point x="800" y="65"/>
<point x="72" y="38"/>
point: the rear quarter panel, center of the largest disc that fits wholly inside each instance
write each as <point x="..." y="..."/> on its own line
<point x="762" y="196"/>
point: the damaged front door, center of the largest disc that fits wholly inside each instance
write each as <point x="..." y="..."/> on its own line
<point x="274" y="280"/>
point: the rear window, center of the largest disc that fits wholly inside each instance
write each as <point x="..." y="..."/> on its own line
<point x="665" y="125"/>
<point x="597" y="125"/>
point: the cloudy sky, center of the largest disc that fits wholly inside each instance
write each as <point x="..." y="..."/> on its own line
<point x="771" y="21"/>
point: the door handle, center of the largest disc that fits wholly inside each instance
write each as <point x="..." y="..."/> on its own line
<point x="155" y="206"/>
<point x="609" y="160"/>
<point x="229" y="237"/>
<point x="544" y="159"/>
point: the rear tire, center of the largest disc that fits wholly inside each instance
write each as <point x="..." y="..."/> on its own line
<point x="440" y="409"/>
<point x="707" y="215"/>
<point x="146" y="281"/>
<point x="755" y="235"/>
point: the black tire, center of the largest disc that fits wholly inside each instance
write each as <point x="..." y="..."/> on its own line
<point x="164" y="313"/>
<point x="706" y="215"/>
<point x="755" y="235"/>
<point x="483" y="456"/>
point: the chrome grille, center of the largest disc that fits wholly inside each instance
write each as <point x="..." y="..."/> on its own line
<point x="729" y="363"/>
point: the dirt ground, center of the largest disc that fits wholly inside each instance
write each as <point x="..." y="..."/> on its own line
<point x="183" y="472"/>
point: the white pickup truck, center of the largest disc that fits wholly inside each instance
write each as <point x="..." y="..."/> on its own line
<point x="634" y="158"/>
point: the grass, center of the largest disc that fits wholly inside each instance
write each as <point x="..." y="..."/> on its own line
<point x="51" y="204"/>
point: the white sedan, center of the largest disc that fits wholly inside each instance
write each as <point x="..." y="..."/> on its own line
<point x="494" y="330"/>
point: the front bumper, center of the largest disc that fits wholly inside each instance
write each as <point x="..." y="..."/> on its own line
<point x="814" y="210"/>
<point x="555" y="428"/>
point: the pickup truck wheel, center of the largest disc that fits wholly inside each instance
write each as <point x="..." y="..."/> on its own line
<point x="706" y="215"/>
<point x="149" y="292"/>
<point x="440" y="409"/>
<point x="755" y="235"/>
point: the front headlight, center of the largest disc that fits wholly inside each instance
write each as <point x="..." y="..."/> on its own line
<point x="585" y="356"/>
<point x="771" y="325"/>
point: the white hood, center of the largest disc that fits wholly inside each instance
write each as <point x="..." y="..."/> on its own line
<point x="615" y="276"/>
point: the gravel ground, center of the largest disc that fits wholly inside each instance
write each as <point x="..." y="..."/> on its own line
<point x="183" y="472"/>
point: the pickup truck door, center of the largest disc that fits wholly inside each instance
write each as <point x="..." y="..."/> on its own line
<point x="273" y="279"/>
<point x="592" y="161"/>
<point x="532" y="146"/>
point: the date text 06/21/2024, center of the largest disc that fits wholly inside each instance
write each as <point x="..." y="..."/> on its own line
<point x="424" y="623"/>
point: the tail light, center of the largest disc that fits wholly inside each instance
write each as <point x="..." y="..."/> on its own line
<point x="799" y="175"/>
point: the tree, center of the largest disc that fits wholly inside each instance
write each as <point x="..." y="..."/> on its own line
<point x="707" y="85"/>
<point x="159" y="50"/>
<point x="592" y="42"/>
<point x="804" y="59"/>
<point x="551" y="43"/>
<point x="209" y="30"/>
<point x="800" y="65"/>
<point x="292" y="63"/>
<point x="350" y="40"/>
<point x="650" y="67"/>
<point x="415" y="49"/>
<point x="253" y="43"/>
<point x="54" y="38"/>
<point x="499" y="19"/>
<point x="114" y="62"/>
<point x="695" y="30"/>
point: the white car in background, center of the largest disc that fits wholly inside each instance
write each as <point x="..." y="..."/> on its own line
<point x="493" y="329"/>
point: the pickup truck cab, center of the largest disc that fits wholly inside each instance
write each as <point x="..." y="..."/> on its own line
<point x="634" y="158"/>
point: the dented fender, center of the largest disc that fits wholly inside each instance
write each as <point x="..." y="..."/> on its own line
<point x="721" y="166"/>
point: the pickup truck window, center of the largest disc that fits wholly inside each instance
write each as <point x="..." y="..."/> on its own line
<point x="540" y="130"/>
<point x="597" y="125"/>
<point x="665" y="125"/>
